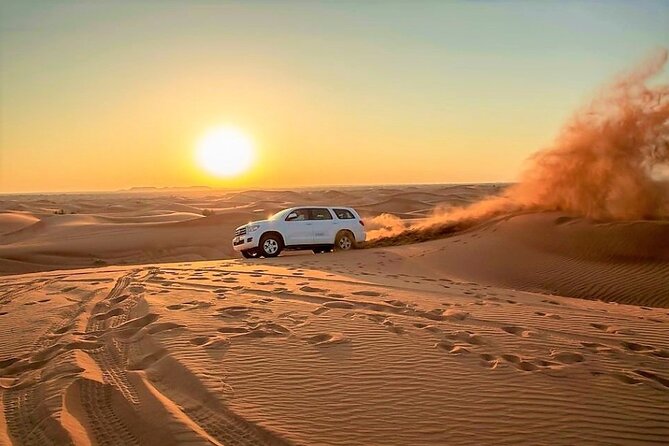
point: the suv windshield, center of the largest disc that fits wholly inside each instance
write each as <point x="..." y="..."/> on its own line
<point x="277" y="215"/>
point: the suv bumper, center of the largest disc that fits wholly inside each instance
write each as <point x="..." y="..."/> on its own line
<point x="244" y="242"/>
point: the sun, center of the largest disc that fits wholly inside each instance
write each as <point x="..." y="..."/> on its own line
<point x="225" y="152"/>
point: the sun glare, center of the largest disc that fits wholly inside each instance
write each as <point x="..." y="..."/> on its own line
<point x="225" y="152"/>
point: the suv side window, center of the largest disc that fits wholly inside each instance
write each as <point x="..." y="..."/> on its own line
<point x="344" y="214"/>
<point x="320" y="214"/>
<point x="298" y="215"/>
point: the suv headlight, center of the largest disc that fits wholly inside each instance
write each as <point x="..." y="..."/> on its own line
<point x="254" y="228"/>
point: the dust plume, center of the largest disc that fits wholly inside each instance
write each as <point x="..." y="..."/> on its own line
<point x="384" y="225"/>
<point x="607" y="162"/>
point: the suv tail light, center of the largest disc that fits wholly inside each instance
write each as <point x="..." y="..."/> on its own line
<point x="362" y="222"/>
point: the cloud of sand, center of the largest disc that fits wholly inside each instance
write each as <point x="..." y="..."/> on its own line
<point x="604" y="164"/>
<point x="384" y="225"/>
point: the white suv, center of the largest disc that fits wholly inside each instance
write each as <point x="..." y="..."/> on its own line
<point x="320" y="228"/>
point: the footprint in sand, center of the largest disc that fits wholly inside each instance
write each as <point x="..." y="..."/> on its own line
<point x="518" y="331"/>
<point x="613" y="330"/>
<point x="661" y="353"/>
<point x="636" y="347"/>
<point x="645" y="349"/>
<point x="626" y="378"/>
<point x="390" y="325"/>
<point x="451" y="348"/>
<point x="598" y="348"/>
<point x="309" y="289"/>
<point x="294" y="318"/>
<point x="335" y="295"/>
<point x="653" y="377"/>
<point x="326" y="339"/>
<point x="396" y="303"/>
<point x="386" y="322"/>
<point x="467" y="337"/>
<point x="190" y="305"/>
<point x="199" y="340"/>
<point x="568" y="357"/>
<point x="519" y="363"/>
<point x="428" y="327"/>
<point x="366" y="293"/>
<point x="234" y="311"/>
<point x="340" y="304"/>
<point x="217" y="344"/>
<point x="489" y="361"/>
<point x="233" y="330"/>
<point x="455" y="315"/>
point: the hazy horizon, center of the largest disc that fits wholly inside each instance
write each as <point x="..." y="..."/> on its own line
<point x="102" y="97"/>
<point x="227" y="189"/>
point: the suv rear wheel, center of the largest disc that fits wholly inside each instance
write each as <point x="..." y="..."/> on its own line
<point x="344" y="241"/>
<point x="271" y="245"/>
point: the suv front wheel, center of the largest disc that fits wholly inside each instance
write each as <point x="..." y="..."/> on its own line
<point x="271" y="245"/>
<point x="250" y="253"/>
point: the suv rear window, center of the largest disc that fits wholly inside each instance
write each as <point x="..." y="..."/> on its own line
<point x="344" y="214"/>
<point x="320" y="214"/>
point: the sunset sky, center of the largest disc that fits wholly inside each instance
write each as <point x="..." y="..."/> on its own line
<point x="106" y="95"/>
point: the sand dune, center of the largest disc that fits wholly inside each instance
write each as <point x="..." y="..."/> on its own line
<point x="625" y="262"/>
<point x="13" y="221"/>
<point x="141" y="227"/>
<point x="466" y="339"/>
<point x="329" y="349"/>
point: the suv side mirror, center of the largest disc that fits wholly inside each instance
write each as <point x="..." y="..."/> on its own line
<point x="291" y="216"/>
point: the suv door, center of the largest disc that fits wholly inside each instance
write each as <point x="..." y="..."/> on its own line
<point x="325" y="226"/>
<point x="297" y="228"/>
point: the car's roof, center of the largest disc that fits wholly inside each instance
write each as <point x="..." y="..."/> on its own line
<point x="319" y="206"/>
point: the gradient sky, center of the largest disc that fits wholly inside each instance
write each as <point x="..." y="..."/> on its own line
<point x="103" y="95"/>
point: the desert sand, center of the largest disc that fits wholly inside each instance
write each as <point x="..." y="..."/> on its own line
<point x="118" y="327"/>
<point x="161" y="226"/>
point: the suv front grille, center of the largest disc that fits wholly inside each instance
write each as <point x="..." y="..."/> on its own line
<point x="240" y="231"/>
